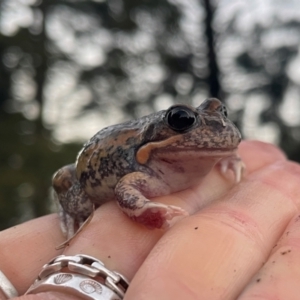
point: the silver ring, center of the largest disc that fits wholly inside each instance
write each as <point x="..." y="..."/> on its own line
<point x="81" y="275"/>
<point x="7" y="288"/>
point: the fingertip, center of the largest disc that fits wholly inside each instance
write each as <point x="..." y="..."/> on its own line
<point x="34" y="240"/>
<point x="257" y="154"/>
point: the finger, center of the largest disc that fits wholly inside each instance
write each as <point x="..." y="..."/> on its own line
<point x="254" y="154"/>
<point x="280" y="276"/>
<point x="25" y="248"/>
<point x="213" y="254"/>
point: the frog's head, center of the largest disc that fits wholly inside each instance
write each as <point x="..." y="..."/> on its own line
<point x="207" y="126"/>
<point x="183" y="128"/>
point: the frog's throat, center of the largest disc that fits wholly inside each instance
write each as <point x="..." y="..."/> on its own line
<point x="143" y="154"/>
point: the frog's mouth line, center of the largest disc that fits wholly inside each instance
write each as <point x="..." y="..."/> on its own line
<point x="195" y="153"/>
<point x="170" y="145"/>
<point x="210" y="152"/>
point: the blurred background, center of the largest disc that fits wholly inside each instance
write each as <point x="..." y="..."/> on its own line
<point x="71" y="67"/>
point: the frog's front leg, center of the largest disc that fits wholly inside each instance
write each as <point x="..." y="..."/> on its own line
<point x="74" y="204"/>
<point x="132" y="193"/>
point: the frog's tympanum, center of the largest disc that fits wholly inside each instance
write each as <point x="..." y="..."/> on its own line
<point x="156" y="155"/>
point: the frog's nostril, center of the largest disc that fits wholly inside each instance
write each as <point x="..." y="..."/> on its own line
<point x="224" y="110"/>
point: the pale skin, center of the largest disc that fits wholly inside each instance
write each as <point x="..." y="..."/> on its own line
<point x="240" y="242"/>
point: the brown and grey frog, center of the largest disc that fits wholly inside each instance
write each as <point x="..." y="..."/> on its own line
<point x="156" y="155"/>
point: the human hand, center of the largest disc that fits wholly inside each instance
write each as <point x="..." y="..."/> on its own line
<point x="243" y="245"/>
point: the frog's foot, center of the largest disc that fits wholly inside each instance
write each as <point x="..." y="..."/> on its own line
<point x="157" y="215"/>
<point x="132" y="192"/>
<point x="72" y="224"/>
<point x="235" y="164"/>
<point x="68" y="229"/>
<point x="73" y="203"/>
<point x="67" y="223"/>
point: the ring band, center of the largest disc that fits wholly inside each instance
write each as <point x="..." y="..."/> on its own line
<point x="80" y="275"/>
<point x="7" y="288"/>
<point x="74" y="284"/>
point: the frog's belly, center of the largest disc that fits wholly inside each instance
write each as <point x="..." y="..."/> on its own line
<point x="102" y="191"/>
<point x="180" y="174"/>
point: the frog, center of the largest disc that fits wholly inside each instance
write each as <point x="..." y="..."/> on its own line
<point x="157" y="155"/>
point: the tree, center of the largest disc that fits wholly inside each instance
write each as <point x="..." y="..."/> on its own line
<point x="258" y="53"/>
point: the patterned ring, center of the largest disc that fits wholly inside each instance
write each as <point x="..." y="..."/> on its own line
<point x="74" y="284"/>
<point x="80" y="275"/>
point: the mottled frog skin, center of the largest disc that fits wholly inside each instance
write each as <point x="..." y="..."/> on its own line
<point x="156" y="155"/>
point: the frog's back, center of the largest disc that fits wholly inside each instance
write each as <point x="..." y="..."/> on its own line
<point x="109" y="155"/>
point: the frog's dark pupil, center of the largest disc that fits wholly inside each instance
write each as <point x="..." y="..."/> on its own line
<point x="181" y="119"/>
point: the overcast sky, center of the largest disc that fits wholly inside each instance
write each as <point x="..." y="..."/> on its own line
<point x="65" y="96"/>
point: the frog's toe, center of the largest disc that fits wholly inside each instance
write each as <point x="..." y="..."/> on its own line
<point x="173" y="215"/>
<point x="157" y="215"/>
<point x="235" y="164"/>
<point x="174" y="211"/>
<point x="67" y="224"/>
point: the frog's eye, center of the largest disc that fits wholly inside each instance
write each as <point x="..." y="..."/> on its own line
<point x="180" y="118"/>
